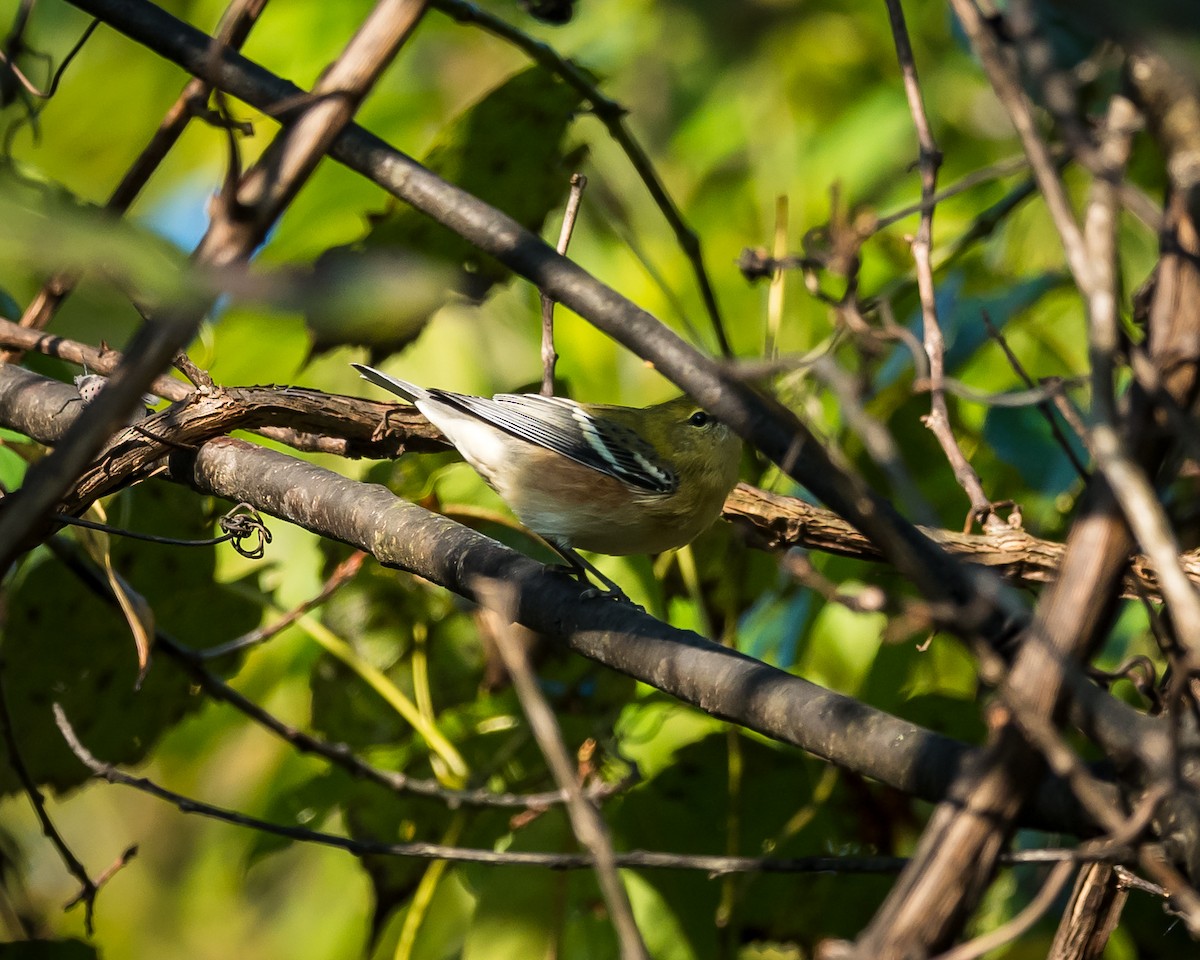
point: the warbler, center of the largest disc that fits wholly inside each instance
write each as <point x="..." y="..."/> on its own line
<point x="607" y="479"/>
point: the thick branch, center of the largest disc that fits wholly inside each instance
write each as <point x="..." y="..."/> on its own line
<point x="969" y="601"/>
<point x="282" y="170"/>
<point x="714" y="678"/>
<point x="347" y="426"/>
<point x="1013" y="552"/>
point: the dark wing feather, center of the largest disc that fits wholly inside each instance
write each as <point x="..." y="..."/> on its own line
<point x="567" y="428"/>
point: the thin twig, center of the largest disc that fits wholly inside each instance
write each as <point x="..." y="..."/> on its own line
<point x="641" y="859"/>
<point x="1043" y="392"/>
<point x="1011" y="929"/>
<point x="549" y="355"/>
<point x="1131" y="880"/>
<point x="929" y="160"/>
<point x="201" y="379"/>
<point x="120" y="863"/>
<point x="29" y="86"/>
<point x="879" y="442"/>
<point x="586" y="823"/>
<point x="1045" y="406"/>
<point x="997" y="171"/>
<point x="868" y="599"/>
<point x="1069" y="412"/>
<point x="432" y="851"/>
<point x="88" y="888"/>
<point x="8" y="60"/>
<point x="1099" y="236"/>
<point x="342" y="574"/>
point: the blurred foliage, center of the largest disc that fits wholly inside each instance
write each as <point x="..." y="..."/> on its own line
<point x="735" y="105"/>
<point x="507" y="150"/>
<point x="64" y="645"/>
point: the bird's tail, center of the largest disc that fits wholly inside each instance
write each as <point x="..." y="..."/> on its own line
<point x="402" y="388"/>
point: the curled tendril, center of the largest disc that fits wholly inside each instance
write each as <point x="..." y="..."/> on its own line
<point x="244" y="523"/>
<point x="1140" y="672"/>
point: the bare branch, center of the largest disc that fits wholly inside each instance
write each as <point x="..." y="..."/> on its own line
<point x="644" y="859"/>
<point x="975" y="605"/>
<point x="588" y="826"/>
<point x="928" y="162"/>
<point x="234" y="28"/>
<point x="549" y="355"/>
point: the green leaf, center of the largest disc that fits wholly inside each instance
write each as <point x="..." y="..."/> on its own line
<point x="46" y="228"/>
<point x="524" y="911"/>
<point x="64" y="645"/>
<point x="507" y="150"/>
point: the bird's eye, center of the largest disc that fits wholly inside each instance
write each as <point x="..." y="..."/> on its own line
<point x="699" y="419"/>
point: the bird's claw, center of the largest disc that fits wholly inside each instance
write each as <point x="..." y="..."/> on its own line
<point x="610" y="591"/>
<point x="606" y="593"/>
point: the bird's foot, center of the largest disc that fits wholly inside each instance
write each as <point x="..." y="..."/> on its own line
<point x="579" y="569"/>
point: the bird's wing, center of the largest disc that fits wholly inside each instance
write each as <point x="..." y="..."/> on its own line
<point x="567" y="428"/>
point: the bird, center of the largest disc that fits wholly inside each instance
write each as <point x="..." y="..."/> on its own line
<point x="606" y="479"/>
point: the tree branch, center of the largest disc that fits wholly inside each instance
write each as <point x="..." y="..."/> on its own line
<point x="967" y="600"/>
<point x="233" y="29"/>
<point x="716" y="679"/>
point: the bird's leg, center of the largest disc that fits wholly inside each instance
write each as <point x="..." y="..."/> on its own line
<point x="580" y="568"/>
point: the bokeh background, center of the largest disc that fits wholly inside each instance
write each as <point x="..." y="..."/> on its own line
<point x="736" y="106"/>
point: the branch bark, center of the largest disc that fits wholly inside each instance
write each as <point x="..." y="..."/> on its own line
<point x="714" y="678"/>
<point x="958" y="851"/>
<point x="968" y="601"/>
<point x="281" y="172"/>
